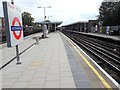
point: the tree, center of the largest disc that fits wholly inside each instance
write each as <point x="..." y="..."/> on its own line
<point x="117" y="13"/>
<point x="110" y="13"/>
<point x="27" y="19"/>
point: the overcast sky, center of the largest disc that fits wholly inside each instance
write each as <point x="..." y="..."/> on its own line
<point x="68" y="11"/>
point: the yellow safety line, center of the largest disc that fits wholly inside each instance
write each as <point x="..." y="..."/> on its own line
<point x="90" y="65"/>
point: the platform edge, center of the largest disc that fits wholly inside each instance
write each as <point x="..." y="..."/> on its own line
<point x="101" y="69"/>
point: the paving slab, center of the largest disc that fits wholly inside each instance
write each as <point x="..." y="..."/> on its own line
<point x="44" y="65"/>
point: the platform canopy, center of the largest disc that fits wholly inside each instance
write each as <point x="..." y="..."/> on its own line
<point x="52" y="26"/>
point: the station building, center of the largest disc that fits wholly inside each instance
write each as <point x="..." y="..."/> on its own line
<point x="77" y="26"/>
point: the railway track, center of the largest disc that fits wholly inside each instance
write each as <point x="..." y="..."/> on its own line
<point x="106" y="54"/>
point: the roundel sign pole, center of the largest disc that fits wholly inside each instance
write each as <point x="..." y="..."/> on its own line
<point x="13" y="26"/>
<point x="17" y="37"/>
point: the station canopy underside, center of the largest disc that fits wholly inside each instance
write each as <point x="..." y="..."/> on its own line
<point x="51" y="25"/>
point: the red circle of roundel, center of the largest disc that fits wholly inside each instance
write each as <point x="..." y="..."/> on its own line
<point x="14" y="33"/>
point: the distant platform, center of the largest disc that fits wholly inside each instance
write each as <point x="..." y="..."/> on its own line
<point x="114" y="37"/>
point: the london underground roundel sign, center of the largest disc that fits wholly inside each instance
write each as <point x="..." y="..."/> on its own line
<point x="13" y="24"/>
<point x="16" y="28"/>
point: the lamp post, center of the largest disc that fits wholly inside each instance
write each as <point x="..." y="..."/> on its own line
<point x="44" y="10"/>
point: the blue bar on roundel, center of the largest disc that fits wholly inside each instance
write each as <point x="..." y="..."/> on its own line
<point x="16" y="28"/>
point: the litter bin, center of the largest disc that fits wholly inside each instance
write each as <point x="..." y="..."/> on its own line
<point x="37" y="40"/>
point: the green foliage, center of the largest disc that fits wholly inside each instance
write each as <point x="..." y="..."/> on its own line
<point x="27" y="19"/>
<point x="110" y="13"/>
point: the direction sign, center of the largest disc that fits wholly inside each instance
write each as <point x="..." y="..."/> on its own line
<point x="13" y="24"/>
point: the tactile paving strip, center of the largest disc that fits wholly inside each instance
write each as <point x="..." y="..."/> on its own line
<point x="77" y="70"/>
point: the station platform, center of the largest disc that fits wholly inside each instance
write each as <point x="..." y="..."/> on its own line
<point x="113" y="37"/>
<point x="53" y="63"/>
